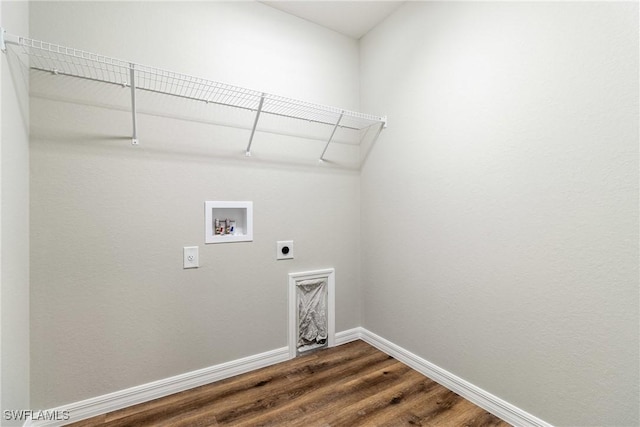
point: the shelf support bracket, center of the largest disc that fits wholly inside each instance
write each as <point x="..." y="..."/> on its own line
<point x="132" y="78"/>
<point x="255" y="124"/>
<point x="7" y="38"/>
<point x="335" y="128"/>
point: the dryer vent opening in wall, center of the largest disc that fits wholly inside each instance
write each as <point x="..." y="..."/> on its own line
<point x="311" y="311"/>
<point x="311" y="297"/>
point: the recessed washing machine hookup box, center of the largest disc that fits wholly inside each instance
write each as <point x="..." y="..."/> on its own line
<point x="227" y="222"/>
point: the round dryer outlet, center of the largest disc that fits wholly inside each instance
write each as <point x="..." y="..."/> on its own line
<point x="284" y="249"/>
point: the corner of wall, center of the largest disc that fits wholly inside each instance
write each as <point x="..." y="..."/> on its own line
<point x="14" y="224"/>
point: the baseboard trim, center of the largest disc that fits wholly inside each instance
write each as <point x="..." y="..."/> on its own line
<point x="143" y="393"/>
<point x="478" y="396"/>
<point x="348" y="336"/>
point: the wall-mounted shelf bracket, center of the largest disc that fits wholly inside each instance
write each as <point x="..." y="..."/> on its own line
<point x="335" y="128"/>
<point x="132" y="78"/>
<point x="255" y="124"/>
<point x="7" y="38"/>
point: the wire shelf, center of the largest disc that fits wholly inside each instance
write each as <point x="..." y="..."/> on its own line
<point x="68" y="61"/>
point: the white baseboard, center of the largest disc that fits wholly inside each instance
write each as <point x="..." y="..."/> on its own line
<point x="348" y="336"/>
<point x="154" y="390"/>
<point x="478" y="396"/>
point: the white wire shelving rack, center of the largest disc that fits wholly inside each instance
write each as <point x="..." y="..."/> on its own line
<point x="72" y="62"/>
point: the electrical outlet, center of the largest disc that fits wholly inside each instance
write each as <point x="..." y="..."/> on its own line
<point x="284" y="249"/>
<point x="190" y="257"/>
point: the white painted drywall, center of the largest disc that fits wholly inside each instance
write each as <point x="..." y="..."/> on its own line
<point x="500" y="207"/>
<point x="111" y="305"/>
<point x="14" y="225"/>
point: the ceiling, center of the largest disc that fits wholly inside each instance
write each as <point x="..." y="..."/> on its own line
<point x="351" y="18"/>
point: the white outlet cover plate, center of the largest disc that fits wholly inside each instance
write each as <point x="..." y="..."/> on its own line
<point x="190" y="257"/>
<point x="280" y="245"/>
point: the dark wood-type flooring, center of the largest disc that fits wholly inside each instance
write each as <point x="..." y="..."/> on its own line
<point x="350" y="385"/>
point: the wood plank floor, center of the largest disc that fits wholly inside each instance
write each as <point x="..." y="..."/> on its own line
<point x="350" y="385"/>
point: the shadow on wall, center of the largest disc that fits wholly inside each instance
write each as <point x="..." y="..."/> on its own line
<point x="19" y="71"/>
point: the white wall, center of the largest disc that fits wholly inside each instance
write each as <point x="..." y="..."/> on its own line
<point x="500" y="208"/>
<point x="14" y="224"/>
<point x="111" y="305"/>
